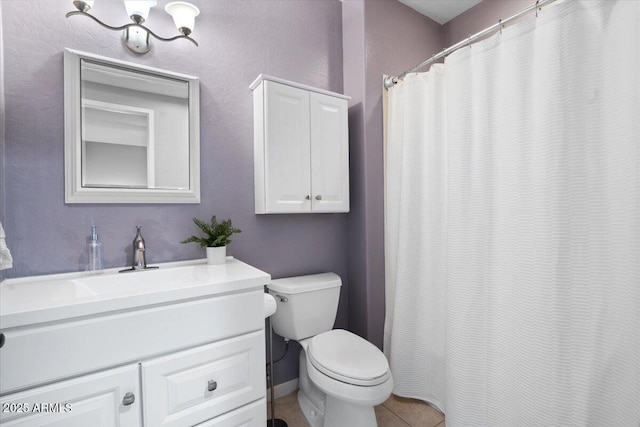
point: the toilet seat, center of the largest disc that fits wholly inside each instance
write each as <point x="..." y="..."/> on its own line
<point x="348" y="358"/>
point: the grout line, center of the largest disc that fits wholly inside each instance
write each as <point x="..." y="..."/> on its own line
<point x="397" y="416"/>
<point x="440" y="424"/>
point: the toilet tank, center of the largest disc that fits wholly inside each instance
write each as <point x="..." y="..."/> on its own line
<point x="306" y="305"/>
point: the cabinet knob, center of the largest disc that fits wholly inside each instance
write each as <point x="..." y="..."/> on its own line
<point x="129" y="398"/>
<point x="212" y="385"/>
<point x="319" y="197"/>
<point x="307" y="197"/>
<point x="1" y="340"/>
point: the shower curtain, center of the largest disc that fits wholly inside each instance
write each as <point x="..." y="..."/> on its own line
<point x="512" y="226"/>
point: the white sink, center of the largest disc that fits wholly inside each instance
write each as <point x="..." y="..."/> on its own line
<point x="54" y="297"/>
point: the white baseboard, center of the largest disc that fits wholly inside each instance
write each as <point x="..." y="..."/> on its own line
<point x="283" y="389"/>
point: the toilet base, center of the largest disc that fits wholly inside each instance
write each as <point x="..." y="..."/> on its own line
<point x="310" y="399"/>
<point x="338" y="413"/>
<point x="343" y="414"/>
<point x="321" y="409"/>
<point x="313" y="415"/>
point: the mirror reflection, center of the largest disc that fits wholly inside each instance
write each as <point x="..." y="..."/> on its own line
<point x="135" y="129"/>
<point x="131" y="133"/>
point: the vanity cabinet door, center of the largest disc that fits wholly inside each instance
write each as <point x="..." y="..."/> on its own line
<point x="192" y="386"/>
<point x="329" y="153"/>
<point x="109" y="398"/>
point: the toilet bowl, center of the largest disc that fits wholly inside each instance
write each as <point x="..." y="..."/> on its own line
<point x="341" y="375"/>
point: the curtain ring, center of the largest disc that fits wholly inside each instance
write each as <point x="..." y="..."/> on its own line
<point x="469" y="40"/>
<point x="500" y="24"/>
<point x="537" y="7"/>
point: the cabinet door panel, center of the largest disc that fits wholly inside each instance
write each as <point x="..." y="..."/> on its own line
<point x="92" y="400"/>
<point x="189" y="387"/>
<point x="329" y="154"/>
<point x="286" y="148"/>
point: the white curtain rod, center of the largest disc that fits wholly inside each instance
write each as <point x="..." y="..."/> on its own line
<point x="390" y="81"/>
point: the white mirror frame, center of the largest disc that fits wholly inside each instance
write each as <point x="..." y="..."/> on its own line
<point x="74" y="192"/>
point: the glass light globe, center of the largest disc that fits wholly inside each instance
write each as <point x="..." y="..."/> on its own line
<point x="184" y="15"/>
<point x="139" y="7"/>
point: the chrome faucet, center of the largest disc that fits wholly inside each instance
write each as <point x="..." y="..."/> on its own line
<point x="139" y="259"/>
<point x="139" y="262"/>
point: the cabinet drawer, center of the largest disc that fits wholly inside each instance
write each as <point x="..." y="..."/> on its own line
<point x="189" y="387"/>
<point x="252" y="415"/>
<point x="92" y="400"/>
<point x="82" y="346"/>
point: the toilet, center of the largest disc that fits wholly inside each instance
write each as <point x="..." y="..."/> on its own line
<point x="342" y="376"/>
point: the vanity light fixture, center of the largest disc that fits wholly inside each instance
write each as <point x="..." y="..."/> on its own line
<point x="137" y="36"/>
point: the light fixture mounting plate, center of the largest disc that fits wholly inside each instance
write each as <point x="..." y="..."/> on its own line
<point x="137" y="39"/>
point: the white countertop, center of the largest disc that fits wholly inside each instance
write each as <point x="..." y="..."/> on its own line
<point x="29" y="300"/>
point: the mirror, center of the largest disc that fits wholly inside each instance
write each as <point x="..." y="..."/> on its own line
<point x="132" y="133"/>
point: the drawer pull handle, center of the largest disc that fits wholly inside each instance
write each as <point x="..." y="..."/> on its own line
<point x="307" y="197"/>
<point x="129" y="398"/>
<point x="212" y="385"/>
<point x="319" y="197"/>
<point x="1" y="340"/>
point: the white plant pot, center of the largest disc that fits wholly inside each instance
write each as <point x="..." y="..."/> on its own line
<point x="216" y="255"/>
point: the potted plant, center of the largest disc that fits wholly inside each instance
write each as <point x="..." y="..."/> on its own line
<point x="215" y="240"/>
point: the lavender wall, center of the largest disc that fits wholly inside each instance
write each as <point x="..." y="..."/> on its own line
<point x="387" y="37"/>
<point x="2" y="108"/>
<point x="295" y="40"/>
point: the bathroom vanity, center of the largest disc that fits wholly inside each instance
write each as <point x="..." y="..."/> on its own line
<point x="179" y="346"/>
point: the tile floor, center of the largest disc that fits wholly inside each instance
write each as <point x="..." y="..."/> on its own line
<point x="395" y="412"/>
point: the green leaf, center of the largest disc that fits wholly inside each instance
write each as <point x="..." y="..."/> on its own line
<point x="215" y="234"/>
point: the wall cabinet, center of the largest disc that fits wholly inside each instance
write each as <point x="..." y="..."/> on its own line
<point x="301" y="148"/>
<point x="194" y="360"/>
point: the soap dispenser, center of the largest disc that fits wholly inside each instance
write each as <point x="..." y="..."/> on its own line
<point x="96" y="260"/>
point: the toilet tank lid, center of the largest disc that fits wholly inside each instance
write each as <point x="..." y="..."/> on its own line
<point x="299" y="284"/>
